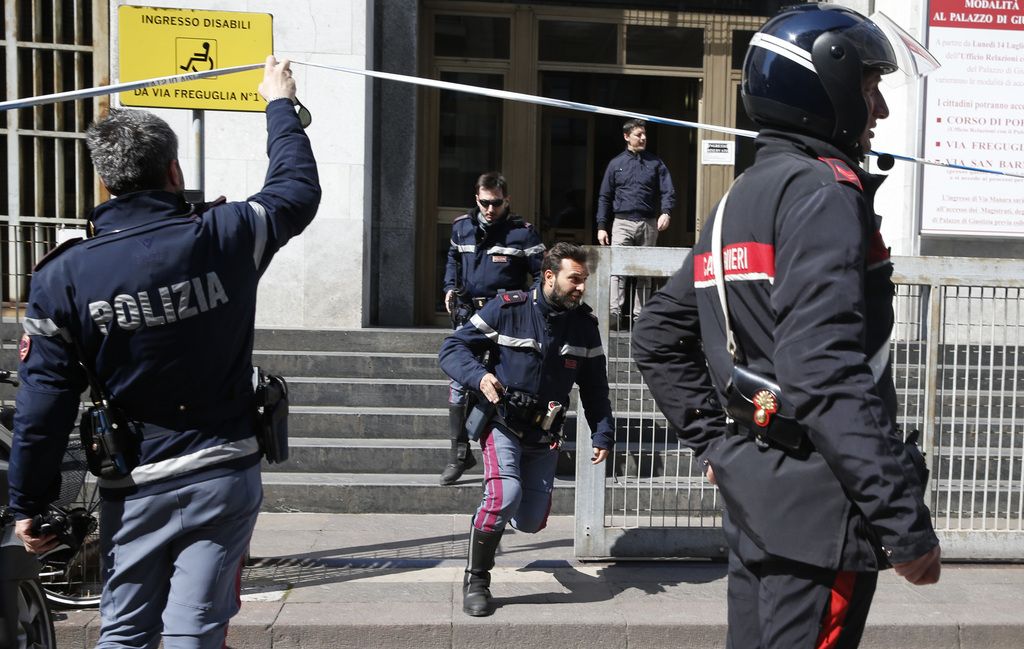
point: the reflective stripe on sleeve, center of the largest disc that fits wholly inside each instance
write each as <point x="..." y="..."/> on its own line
<point x="879" y="361"/>
<point x="515" y="252"/>
<point x="260" y="233"/>
<point x="44" y="327"/>
<point x="169" y="468"/>
<point x="501" y="339"/>
<point x="585" y="352"/>
<point x="469" y="247"/>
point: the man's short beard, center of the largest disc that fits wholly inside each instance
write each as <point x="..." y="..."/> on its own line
<point x="561" y="300"/>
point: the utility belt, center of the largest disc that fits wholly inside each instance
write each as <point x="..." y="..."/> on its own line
<point x="521" y="413"/>
<point x="463" y="308"/>
<point x="112" y="440"/>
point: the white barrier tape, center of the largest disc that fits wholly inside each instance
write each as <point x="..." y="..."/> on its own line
<point x="531" y="99"/>
<point x="445" y="85"/>
<point x="86" y="93"/>
<point x="591" y="108"/>
<point x="947" y="165"/>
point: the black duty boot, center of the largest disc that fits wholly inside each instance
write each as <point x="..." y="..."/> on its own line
<point x="476" y="593"/>
<point x="461" y="458"/>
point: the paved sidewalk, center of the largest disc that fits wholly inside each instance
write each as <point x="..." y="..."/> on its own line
<point x="330" y="581"/>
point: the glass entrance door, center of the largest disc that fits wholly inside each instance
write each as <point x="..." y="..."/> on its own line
<point x="576" y="148"/>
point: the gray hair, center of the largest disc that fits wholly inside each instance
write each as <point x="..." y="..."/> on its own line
<point x="131" y="150"/>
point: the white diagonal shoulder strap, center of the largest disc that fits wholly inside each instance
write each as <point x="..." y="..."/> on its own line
<point x="717" y="266"/>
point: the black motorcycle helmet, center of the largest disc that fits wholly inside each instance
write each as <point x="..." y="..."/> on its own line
<point x="803" y="72"/>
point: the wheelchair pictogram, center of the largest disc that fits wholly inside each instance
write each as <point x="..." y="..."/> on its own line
<point x="196" y="54"/>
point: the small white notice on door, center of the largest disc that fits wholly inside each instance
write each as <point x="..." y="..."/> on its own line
<point x="718" y="152"/>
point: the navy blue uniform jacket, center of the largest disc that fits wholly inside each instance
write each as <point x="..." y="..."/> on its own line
<point x="539" y="350"/>
<point x="163" y="302"/>
<point x="809" y="289"/>
<point x="502" y="256"/>
<point x="635" y="183"/>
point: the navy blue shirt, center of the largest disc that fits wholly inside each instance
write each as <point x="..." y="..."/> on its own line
<point x="637" y="185"/>
<point x="162" y="302"/>
<point x="539" y="350"/>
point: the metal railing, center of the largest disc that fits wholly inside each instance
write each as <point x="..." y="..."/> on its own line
<point x="958" y="361"/>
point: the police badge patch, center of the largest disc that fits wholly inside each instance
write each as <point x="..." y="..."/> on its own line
<point x="24" y="347"/>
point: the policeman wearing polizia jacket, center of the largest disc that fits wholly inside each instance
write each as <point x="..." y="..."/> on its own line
<point x="540" y="341"/>
<point x="161" y="301"/>
<point x="492" y="250"/>
<point x="809" y="296"/>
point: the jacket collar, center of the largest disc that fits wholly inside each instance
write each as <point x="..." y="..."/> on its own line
<point x="137" y="208"/>
<point x="771" y="142"/>
<point x="545" y="308"/>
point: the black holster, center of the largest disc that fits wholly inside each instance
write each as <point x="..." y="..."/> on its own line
<point x="479" y="412"/>
<point x="757" y="404"/>
<point x="272" y="416"/>
<point x="111" y="441"/>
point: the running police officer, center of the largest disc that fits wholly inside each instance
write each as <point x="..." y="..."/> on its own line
<point x="492" y="251"/>
<point x="158" y="305"/>
<point x="540" y="341"/>
<point x="806" y="282"/>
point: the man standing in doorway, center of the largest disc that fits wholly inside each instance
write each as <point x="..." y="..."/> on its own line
<point x="492" y="251"/>
<point x="636" y="193"/>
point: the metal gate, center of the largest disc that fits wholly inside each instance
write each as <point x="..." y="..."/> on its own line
<point x="49" y="47"/>
<point x="958" y="366"/>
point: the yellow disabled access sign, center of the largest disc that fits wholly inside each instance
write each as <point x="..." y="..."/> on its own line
<point x="157" y="42"/>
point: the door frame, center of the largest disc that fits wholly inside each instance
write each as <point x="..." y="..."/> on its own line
<point x="522" y="122"/>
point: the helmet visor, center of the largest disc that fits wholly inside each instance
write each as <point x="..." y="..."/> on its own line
<point x="884" y="45"/>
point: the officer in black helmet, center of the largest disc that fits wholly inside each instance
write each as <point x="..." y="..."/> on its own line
<point x="769" y="350"/>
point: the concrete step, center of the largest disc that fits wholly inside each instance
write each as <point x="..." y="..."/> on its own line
<point x="374" y="339"/>
<point x="421" y="494"/>
<point x="385" y="422"/>
<point x="369" y="422"/>
<point x="384" y="493"/>
<point x="350" y="364"/>
<point x="406" y="456"/>
<point x="411" y="456"/>
<point x="414" y="393"/>
<point x="331" y="391"/>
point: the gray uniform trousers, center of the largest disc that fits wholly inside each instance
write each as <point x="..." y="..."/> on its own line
<point x="518" y="479"/>
<point x="172" y="563"/>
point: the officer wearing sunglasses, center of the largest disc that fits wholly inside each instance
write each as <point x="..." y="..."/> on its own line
<point x="492" y="251"/>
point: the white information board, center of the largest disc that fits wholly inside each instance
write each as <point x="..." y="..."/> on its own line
<point x="974" y="117"/>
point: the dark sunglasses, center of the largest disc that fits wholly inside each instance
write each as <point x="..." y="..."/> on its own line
<point x="497" y="202"/>
<point x="305" y="117"/>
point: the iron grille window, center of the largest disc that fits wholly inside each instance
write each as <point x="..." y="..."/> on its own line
<point x="50" y="46"/>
